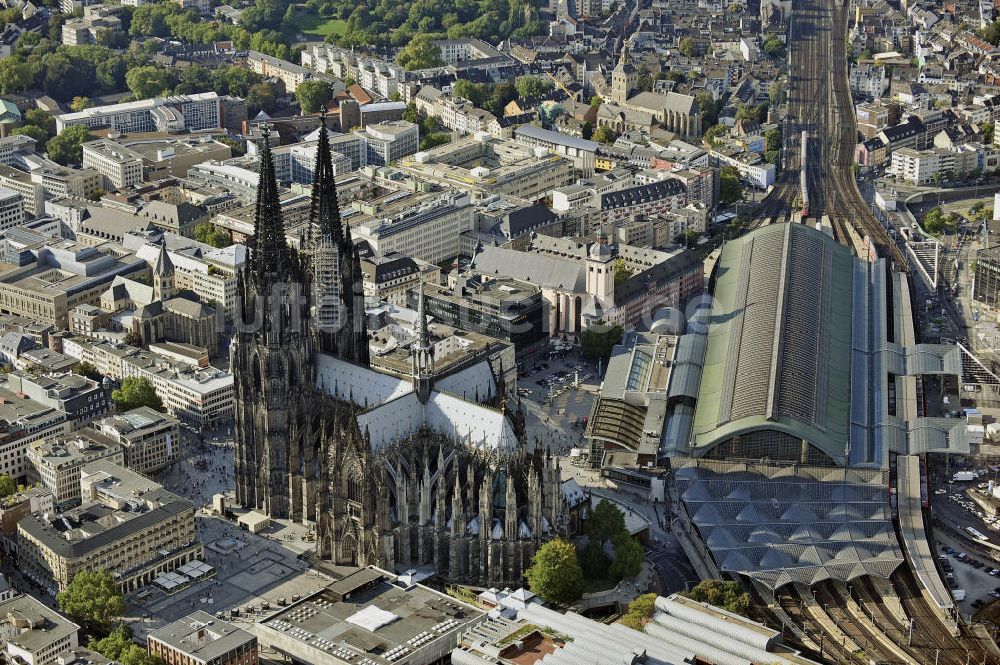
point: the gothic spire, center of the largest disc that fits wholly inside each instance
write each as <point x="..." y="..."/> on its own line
<point x="271" y="253"/>
<point x="325" y="211"/>
<point x="424" y="338"/>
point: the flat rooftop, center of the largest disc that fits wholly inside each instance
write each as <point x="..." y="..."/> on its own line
<point x="368" y="614"/>
<point x="202" y="636"/>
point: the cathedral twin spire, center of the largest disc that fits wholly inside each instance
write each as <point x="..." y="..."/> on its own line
<point x="331" y="269"/>
<point x="272" y="257"/>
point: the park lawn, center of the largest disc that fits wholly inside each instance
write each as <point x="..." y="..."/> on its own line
<point x="313" y="24"/>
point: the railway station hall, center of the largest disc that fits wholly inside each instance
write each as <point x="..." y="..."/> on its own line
<point x="812" y="396"/>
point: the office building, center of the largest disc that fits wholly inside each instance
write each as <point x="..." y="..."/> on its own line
<point x="127" y="525"/>
<point x="34" y="634"/>
<point x="429" y="232"/>
<point x="11" y="209"/>
<point x="119" y="166"/>
<point x="390" y="141"/>
<point x="151" y="440"/>
<point x="160" y="114"/>
<point x="57" y="462"/>
<point x="79" y="397"/>
<point x="503" y="308"/>
<point x="202" y="639"/>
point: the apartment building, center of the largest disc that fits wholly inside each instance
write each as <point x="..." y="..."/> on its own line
<point x="126" y="524"/>
<point x="922" y="167"/>
<point x="160" y="114"/>
<point x="11" y="208"/>
<point x="457" y="114"/>
<point x="752" y="169"/>
<point x="654" y="198"/>
<point x="203" y="7"/>
<point x="88" y="29"/>
<point x="202" y="639"/>
<point x="34" y="634"/>
<point x="150" y="439"/>
<point x="56" y="463"/>
<point x="287" y="72"/>
<point x="119" y="166"/>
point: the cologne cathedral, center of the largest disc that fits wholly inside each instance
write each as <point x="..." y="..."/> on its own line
<point x="399" y="473"/>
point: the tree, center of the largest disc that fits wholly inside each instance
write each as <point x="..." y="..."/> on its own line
<point x="34" y="132"/>
<point x="533" y="87"/>
<point x="210" y="234"/>
<point x="727" y="595"/>
<point x="774" y="47"/>
<point x="261" y="96"/>
<point x="594" y="561"/>
<point x="587" y="131"/>
<point x="622" y="272"/>
<point x="687" y="46"/>
<point x="79" y="103"/>
<point x="149" y="81"/>
<point x="313" y="95"/>
<point x="709" y="108"/>
<point x="640" y="611"/>
<point x="596" y="101"/>
<point x="991" y="33"/>
<point x="604" y="134"/>
<point x="598" y="340"/>
<point x="67" y="148"/>
<point x="555" y="573"/>
<point x="93" y="599"/>
<point x="134" y="338"/>
<point x="411" y="114"/>
<point x="420" y="53"/>
<point x="629" y="556"/>
<point x="605" y="522"/>
<point x="434" y="139"/>
<point x="119" y="647"/>
<point x="136" y="392"/>
<point x="88" y="370"/>
<point x="987" y="130"/>
<point x="7" y="485"/>
<point x="713" y="133"/>
<point x="468" y="90"/>
<point x="730" y="187"/>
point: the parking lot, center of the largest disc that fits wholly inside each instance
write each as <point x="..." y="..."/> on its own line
<point x="972" y="574"/>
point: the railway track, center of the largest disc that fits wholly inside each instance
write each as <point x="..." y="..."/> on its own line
<point x="867" y="638"/>
<point x="831" y="650"/>
<point x="930" y="637"/>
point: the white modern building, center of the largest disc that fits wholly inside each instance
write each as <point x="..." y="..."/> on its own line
<point x="11" y="209"/>
<point x="160" y="114"/>
<point x="120" y="166"/>
<point x="389" y="141"/>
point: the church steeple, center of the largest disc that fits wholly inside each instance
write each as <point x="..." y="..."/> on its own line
<point x="422" y="353"/>
<point x="271" y="258"/>
<point x="163" y="274"/>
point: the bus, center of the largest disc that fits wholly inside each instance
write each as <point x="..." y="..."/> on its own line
<point x="976" y="534"/>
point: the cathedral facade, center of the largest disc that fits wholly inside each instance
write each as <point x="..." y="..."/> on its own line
<point x="399" y="473"/>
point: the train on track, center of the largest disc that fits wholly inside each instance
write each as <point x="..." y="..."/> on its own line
<point x="803" y="173"/>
